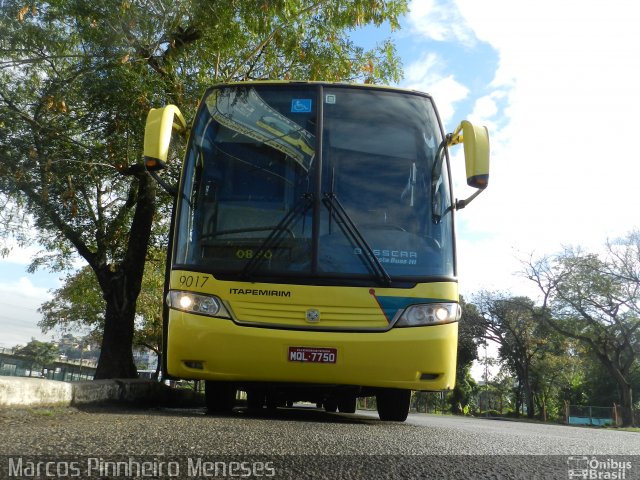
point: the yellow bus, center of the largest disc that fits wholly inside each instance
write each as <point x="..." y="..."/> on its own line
<point x="312" y="254"/>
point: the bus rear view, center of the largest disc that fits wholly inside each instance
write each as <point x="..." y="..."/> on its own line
<point x="313" y="254"/>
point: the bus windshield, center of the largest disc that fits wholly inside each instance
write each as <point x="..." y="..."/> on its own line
<point x="314" y="181"/>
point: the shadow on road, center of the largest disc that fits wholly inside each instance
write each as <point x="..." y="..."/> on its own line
<point x="295" y="413"/>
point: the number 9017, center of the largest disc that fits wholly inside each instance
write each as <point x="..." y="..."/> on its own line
<point x="192" y="280"/>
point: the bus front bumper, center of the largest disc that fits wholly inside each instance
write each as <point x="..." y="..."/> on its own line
<point x="417" y="358"/>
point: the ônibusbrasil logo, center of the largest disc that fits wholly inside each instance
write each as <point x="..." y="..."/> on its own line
<point x="590" y="467"/>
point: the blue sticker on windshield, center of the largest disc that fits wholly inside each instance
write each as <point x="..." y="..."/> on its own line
<point x="301" y="105"/>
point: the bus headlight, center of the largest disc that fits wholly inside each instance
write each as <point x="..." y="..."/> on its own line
<point x="429" y="314"/>
<point x="197" y="303"/>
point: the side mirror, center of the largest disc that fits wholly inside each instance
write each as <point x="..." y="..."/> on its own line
<point x="161" y="123"/>
<point x="476" y="152"/>
<point x="476" y="157"/>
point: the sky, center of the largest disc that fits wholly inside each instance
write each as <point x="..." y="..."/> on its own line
<point x="558" y="86"/>
<point x="556" y="83"/>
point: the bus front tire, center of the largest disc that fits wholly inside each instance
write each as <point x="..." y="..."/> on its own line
<point x="347" y="404"/>
<point x="393" y="404"/>
<point x="330" y="404"/>
<point x="255" y="399"/>
<point x="219" y="397"/>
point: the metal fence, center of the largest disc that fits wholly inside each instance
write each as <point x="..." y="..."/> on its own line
<point x="18" y="366"/>
<point x="590" y="415"/>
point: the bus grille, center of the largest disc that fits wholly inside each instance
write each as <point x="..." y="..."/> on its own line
<point x="297" y="316"/>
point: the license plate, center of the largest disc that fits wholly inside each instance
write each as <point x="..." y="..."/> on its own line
<point x="313" y="354"/>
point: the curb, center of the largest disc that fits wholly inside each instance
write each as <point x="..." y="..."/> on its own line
<point x="38" y="392"/>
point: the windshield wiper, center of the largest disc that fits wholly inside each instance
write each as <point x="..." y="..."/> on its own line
<point x="352" y="232"/>
<point x="436" y="178"/>
<point x="276" y="235"/>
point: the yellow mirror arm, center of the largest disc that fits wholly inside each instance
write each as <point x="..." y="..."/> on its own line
<point x="455" y="138"/>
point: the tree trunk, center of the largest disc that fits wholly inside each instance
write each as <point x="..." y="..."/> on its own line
<point x="627" y="403"/>
<point x="122" y="287"/>
<point x="541" y="403"/>
<point x="624" y="388"/>
<point x="528" y="397"/>
<point x="116" y="354"/>
<point x="522" y="372"/>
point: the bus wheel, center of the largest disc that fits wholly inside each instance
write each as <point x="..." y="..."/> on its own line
<point x="393" y="404"/>
<point x="330" y="404"/>
<point x="219" y="397"/>
<point x="347" y="404"/>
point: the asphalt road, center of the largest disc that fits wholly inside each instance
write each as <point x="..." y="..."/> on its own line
<point x="309" y="443"/>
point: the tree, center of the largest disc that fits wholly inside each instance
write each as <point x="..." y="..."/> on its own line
<point x="76" y="82"/>
<point x="470" y="332"/>
<point x="40" y="353"/>
<point x="556" y="372"/>
<point x="499" y="390"/>
<point x="595" y="299"/>
<point x="511" y="323"/>
<point x="78" y="304"/>
<point x="75" y="348"/>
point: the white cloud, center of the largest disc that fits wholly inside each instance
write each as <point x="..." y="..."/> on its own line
<point x="565" y="153"/>
<point x="427" y="75"/>
<point x="19" y="317"/>
<point x="24" y="288"/>
<point x="486" y="110"/>
<point x="18" y="254"/>
<point x="562" y="112"/>
<point x="438" y="21"/>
